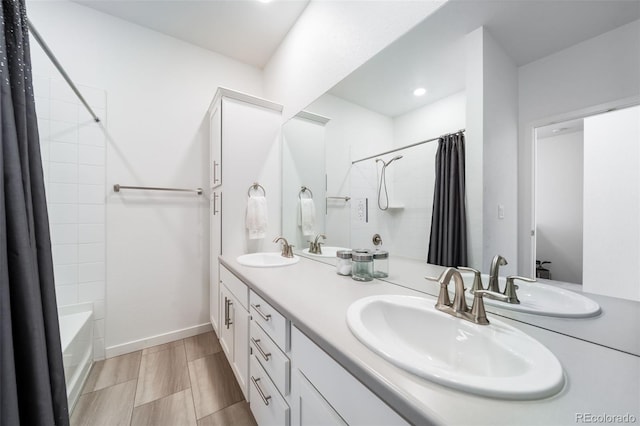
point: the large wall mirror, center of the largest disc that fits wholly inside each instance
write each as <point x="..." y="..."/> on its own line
<point x="376" y="120"/>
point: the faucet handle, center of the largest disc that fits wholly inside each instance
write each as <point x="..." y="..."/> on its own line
<point x="510" y="288"/>
<point x="477" y="279"/>
<point x="477" y="309"/>
<point x="443" y="295"/>
<point x="525" y="279"/>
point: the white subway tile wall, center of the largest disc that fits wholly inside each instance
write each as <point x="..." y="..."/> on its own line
<point x="406" y="229"/>
<point x="73" y="159"/>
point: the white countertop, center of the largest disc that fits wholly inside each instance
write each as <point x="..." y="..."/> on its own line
<point x="617" y="326"/>
<point x="599" y="380"/>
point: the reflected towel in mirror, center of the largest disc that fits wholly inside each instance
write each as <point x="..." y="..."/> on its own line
<point x="256" y="220"/>
<point x="307" y="215"/>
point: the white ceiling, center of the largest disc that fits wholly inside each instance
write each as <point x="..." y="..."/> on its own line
<point x="432" y="55"/>
<point x="247" y="30"/>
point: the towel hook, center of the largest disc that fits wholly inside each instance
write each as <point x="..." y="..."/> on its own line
<point x="303" y="190"/>
<point x="255" y="187"/>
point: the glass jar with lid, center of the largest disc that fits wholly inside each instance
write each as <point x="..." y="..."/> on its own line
<point x="381" y="264"/>
<point x="343" y="264"/>
<point x="362" y="265"/>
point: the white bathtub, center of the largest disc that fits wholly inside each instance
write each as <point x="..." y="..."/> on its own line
<point x="76" y="335"/>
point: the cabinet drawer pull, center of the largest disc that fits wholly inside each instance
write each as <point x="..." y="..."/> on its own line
<point x="262" y="352"/>
<point x="264" y="316"/>
<point x="226" y="312"/>
<point x="227" y="318"/>
<point x="265" y="398"/>
<point x="215" y="204"/>
<point x="215" y="177"/>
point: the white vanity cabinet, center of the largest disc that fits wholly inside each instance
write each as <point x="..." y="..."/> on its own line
<point x="270" y="363"/>
<point x="323" y="392"/>
<point x="234" y="325"/>
<point x="292" y="382"/>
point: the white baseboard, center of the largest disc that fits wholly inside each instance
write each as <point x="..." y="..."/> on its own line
<point x="159" y="339"/>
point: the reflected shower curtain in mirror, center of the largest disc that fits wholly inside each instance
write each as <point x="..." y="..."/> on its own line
<point x="448" y="240"/>
<point x="32" y="384"/>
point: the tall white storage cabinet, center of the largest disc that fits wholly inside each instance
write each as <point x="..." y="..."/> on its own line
<point x="215" y="240"/>
<point x="245" y="149"/>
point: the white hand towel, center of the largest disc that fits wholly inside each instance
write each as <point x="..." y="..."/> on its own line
<point x="256" y="220"/>
<point x="307" y="216"/>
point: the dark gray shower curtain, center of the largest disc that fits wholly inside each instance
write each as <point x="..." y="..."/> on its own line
<point x="32" y="384"/>
<point x="448" y="241"/>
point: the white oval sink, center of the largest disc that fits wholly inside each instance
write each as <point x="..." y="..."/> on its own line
<point x="266" y="260"/>
<point x="540" y="299"/>
<point x="494" y="360"/>
<point x="326" y="251"/>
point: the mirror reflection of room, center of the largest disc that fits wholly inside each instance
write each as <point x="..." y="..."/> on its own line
<point x="586" y="200"/>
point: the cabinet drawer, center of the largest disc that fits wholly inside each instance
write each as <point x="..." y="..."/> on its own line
<point x="274" y="324"/>
<point x="272" y="359"/>
<point x="235" y="286"/>
<point x="267" y="406"/>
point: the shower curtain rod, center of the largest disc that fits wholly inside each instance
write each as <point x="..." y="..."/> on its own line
<point x="406" y="146"/>
<point x="55" y="62"/>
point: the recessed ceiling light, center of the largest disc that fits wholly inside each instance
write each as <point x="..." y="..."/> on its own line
<point x="264" y="1"/>
<point x="419" y="91"/>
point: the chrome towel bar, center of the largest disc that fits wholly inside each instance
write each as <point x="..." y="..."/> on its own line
<point x="118" y="187"/>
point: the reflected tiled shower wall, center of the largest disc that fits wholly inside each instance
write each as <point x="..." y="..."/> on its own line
<point x="406" y="226"/>
<point x="73" y="154"/>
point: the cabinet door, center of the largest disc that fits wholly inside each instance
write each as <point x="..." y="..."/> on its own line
<point x="214" y="297"/>
<point x="241" y="346"/>
<point x="338" y="389"/>
<point x="311" y="407"/>
<point x="215" y="141"/>
<point x="226" y="322"/>
<point x="215" y="245"/>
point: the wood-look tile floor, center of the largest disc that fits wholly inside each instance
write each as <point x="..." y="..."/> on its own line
<point x="183" y="383"/>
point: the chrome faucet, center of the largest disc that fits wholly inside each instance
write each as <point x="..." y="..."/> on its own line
<point x="459" y="308"/>
<point x="315" y="247"/>
<point x="287" y="249"/>
<point x="494" y="272"/>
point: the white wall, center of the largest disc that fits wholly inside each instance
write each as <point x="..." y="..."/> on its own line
<point x="559" y="183"/>
<point x="250" y="153"/>
<point x="595" y="72"/>
<point x="612" y="204"/>
<point x="474" y="89"/>
<point x="330" y="40"/>
<point x="445" y="115"/>
<point x="500" y="176"/>
<point x="158" y="90"/>
<point x="303" y="163"/>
